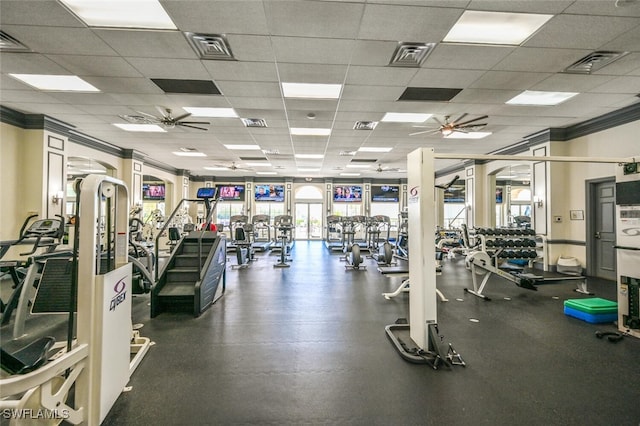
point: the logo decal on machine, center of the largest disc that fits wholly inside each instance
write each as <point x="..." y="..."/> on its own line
<point x="121" y="293"/>
<point x="414" y="194"/>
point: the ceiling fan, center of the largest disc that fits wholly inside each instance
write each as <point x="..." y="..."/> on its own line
<point x="381" y="169"/>
<point x="457" y="125"/>
<point x="166" y="119"/>
<point x="233" y="167"/>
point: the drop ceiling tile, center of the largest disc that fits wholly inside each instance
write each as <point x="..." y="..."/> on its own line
<point x="219" y="17"/>
<point x="626" y="84"/>
<point x="30" y="63"/>
<point x="251" y="47"/>
<point x="625" y="65"/>
<point x="486" y="96"/>
<point x="508" y="80"/>
<point x="445" y="78"/>
<point x="98" y="66"/>
<point x="625" y="42"/>
<point x="571" y="83"/>
<point x="464" y="56"/>
<point x="603" y="8"/>
<point x="148" y="44"/>
<point x="370" y="52"/>
<point x="236" y="70"/>
<point x="40" y="13"/>
<point x="318" y="73"/>
<point x="28" y="96"/>
<point x="407" y="23"/>
<point x="379" y="93"/>
<point x="188" y="69"/>
<point x="387" y="76"/>
<point x="51" y="110"/>
<point x="521" y="6"/>
<point x="533" y="59"/>
<point x="580" y="32"/>
<point x="249" y="88"/>
<point x="239" y="102"/>
<point x="311" y="105"/>
<point x="312" y="50"/>
<point x="60" y="40"/>
<point x="124" y="85"/>
<point x="313" y="19"/>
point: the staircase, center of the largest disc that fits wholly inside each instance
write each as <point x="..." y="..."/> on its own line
<point x="190" y="282"/>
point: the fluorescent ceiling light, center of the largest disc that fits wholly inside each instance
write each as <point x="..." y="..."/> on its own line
<point x="242" y="147"/>
<point x="121" y="14"/>
<point x="310" y="156"/>
<point x="211" y="112"/>
<point x="531" y="97"/>
<point x="258" y="164"/>
<point x="374" y="149"/>
<point x="266" y="173"/>
<point x="405" y="117"/>
<point x="69" y="83"/>
<point x="495" y="27"/>
<point x="349" y="174"/>
<point x="140" y="127"/>
<point x="309" y="131"/>
<point x="93" y="170"/>
<point x="189" y="154"/>
<point x="470" y="135"/>
<point x="215" y="168"/>
<point x="307" y="169"/>
<point x="309" y="90"/>
<point x="357" y="166"/>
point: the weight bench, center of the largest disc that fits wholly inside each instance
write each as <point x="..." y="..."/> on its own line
<point x="28" y="358"/>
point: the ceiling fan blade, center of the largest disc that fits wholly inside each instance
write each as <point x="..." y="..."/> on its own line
<point x="455" y="122"/>
<point x="153" y="117"/>
<point x="189" y="125"/>
<point x="195" y="122"/>
<point x="164" y="111"/>
<point x="472" y="127"/>
<point x="180" y="117"/>
<point x="429" y="132"/>
<point x="471" y="121"/>
<point x="437" y="121"/>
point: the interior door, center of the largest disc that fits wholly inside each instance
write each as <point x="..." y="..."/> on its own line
<point x="604" y="236"/>
<point x="308" y="221"/>
<point x="302" y="221"/>
<point x="315" y="221"/>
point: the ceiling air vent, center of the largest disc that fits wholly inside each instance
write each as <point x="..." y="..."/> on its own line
<point x="411" y="54"/>
<point x="254" y="122"/>
<point x="210" y="46"/>
<point x="9" y="43"/>
<point x="364" y="160"/>
<point x="365" y="125"/>
<point x="594" y="61"/>
<point x="253" y="158"/>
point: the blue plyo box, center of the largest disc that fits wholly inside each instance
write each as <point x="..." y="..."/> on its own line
<point x="591" y="318"/>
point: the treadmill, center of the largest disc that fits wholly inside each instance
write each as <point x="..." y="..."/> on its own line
<point x="262" y="232"/>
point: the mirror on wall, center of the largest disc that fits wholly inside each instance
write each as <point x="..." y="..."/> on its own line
<point x="513" y="196"/>
<point x="78" y="167"/>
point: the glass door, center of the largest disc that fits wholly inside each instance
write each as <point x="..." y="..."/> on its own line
<point x="308" y="221"/>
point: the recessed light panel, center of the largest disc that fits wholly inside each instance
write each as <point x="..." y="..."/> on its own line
<point x="470" y="135"/>
<point x="357" y="166"/>
<point x="312" y="91"/>
<point x="189" y="154"/>
<point x="140" y="127"/>
<point x="310" y="156"/>
<point x="405" y="117"/>
<point x="66" y="83"/>
<point x="211" y="112"/>
<point x="349" y="174"/>
<point x="307" y="169"/>
<point x="310" y="131"/>
<point x="374" y="149"/>
<point x="495" y="27"/>
<point x="266" y="173"/>
<point x="258" y="164"/>
<point x="243" y="147"/>
<point x="531" y="97"/>
<point x="215" y="168"/>
<point x="147" y="14"/>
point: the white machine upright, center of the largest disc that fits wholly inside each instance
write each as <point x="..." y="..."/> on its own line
<point x="628" y="248"/>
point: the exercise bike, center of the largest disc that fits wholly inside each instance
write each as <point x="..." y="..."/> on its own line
<point x="284" y="224"/>
<point x="243" y="244"/>
<point x="350" y="249"/>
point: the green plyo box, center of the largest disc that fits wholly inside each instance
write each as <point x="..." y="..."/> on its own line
<point x="593" y="305"/>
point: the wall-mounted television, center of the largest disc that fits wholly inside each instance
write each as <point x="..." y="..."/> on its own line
<point x="231" y="192"/>
<point x="270" y="193"/>
<point x="628" y="193"/>
<point x="347" y="193"/>
<point x="455" y="194"/>
<point x="498" y="195"/>
<point x="385" y="193"/>
<point x="153" y="191"/>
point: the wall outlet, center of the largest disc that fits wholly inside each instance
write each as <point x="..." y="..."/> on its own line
<point x="557" y="219"/>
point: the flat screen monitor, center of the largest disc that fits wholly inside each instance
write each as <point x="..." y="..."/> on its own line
<point x="455" y="194"/>
<point x="231" y="192"/>
<point x="270" y="193"/>
<point x="628" y="193"/>
<point x="498" y="195"/>
<point x="385" y="193"/>
<point x="206" y="193"/>
<point x="153" y="191"/>
<point x="348" y="193"/>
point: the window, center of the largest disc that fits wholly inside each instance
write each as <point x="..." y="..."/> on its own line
<point x="347" y="209"/>
<point x="270" y="209"/>
<point x="454" y="215"/>
<point x="226" y="209"/>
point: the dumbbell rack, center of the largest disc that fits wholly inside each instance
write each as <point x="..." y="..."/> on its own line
<point x="508" y="243"/>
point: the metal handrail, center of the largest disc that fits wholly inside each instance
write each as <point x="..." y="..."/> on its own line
<point x="205" y="228"/>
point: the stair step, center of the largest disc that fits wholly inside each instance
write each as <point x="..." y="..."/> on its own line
<point x="177" y="289"/>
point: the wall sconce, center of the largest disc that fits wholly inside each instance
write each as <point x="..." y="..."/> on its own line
<point x="57" y="197"/>
<point x="537" y="200"/>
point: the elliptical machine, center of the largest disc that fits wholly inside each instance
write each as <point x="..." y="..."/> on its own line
<point x="381" y="253"/>
<point x="284" y="225"/>
<point x="350" y="249"/>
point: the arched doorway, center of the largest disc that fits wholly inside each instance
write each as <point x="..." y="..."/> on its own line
<point x="308" y="212"/>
